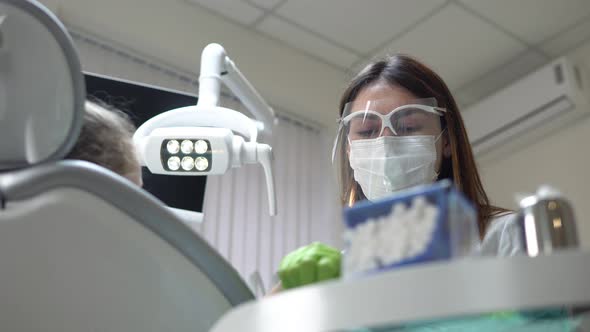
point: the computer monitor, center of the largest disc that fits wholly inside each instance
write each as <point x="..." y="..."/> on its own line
<point x="143" y="102"/>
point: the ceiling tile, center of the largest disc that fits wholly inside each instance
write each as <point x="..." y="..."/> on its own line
<point x="307" y="42"/>
<point x="356" y="24"/>
<point x="457" y="45"/>
<point x="532" y="20"/>
<point x="267" y="4"/>
<point x="235" y="10"/>
<point x="568" y="40"/>
<point x="499" y="77"/>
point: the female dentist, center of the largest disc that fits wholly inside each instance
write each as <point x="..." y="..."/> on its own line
<point x="400" y="126"/>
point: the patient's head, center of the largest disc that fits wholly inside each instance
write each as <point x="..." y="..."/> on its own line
<point x="106" y="140"/>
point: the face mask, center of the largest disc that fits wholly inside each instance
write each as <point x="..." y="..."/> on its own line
<point x="390" y="163"/>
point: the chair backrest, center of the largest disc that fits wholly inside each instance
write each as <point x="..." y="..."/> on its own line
<point x="42" y="90"/>
<point x="82" y="248"/>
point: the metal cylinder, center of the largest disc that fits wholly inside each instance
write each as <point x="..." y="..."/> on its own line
<point x="548" y="224"/>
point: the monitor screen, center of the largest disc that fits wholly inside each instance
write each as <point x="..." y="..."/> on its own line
<point x="143" y="102"/>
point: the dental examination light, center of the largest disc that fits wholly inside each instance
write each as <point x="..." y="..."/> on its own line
<point x="207" y="139"/>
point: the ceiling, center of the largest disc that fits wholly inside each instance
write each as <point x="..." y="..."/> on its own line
<point x="477" y="46"/>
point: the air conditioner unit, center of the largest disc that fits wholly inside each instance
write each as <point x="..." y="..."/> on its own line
<point x="543" y="101"/>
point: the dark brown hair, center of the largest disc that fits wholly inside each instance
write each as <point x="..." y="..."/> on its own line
<point x="106" y="139"/>
<point x="408" y="73"/>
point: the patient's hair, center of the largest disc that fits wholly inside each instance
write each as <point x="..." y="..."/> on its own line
<point x="106" y="140"/>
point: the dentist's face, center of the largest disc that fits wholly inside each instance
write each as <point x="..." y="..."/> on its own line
<point x="391" y="97"/>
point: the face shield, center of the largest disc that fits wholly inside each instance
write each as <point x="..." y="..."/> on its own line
<point x="385" y="146"/>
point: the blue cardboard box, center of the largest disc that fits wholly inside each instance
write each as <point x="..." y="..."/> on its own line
<point x="455" y="231"/>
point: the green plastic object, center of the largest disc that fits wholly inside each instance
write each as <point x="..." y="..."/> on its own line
<point x="309" y="264"/>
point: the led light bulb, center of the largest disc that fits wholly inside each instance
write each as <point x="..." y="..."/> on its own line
<point x="173" y="146"/>
<point x="201" y="163"/>
<point x="174" y="163"/>
<point x="201" y="146"/>
<point x="187" y="163"/>
<point x="186" y="146"/>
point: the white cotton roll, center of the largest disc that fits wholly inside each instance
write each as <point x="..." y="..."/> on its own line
<point x="402" y="234"/>
<point x="399" y="209"/>
<point x="431" y="213"/>
<point x="407" y="232"/>
<point x="391" y="258"/>
<point x="419" y="202"/>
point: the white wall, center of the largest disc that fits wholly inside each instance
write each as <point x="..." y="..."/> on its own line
<point x="175" y="32"/>
<point x="561" y="159"/>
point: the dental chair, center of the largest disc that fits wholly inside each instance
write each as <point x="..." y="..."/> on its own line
<point x="82" y="248"/>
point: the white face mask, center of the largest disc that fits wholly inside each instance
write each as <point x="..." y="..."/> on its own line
<point x="389" y="163"/>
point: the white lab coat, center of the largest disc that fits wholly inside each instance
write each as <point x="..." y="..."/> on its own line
<point x="503" y="237"/>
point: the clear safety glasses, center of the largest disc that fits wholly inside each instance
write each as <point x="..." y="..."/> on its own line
<point x="369" y="120"/>
<point x="386" y="117"/>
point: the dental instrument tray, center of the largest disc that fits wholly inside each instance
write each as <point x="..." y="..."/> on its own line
<point x="422" y="224"/>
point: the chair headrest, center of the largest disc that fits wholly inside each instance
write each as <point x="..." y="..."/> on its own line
<point x="42" y="90"/>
